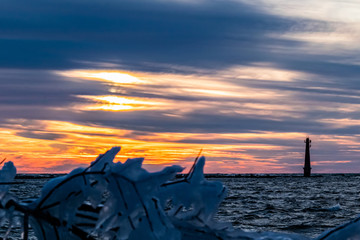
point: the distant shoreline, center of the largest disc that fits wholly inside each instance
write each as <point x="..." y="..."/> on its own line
<point x="213" y="175"/>
<point x="275" y="175"/>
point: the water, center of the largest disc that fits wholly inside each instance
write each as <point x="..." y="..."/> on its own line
<point x="278" y="203"/>
<point x="289" y="203"/>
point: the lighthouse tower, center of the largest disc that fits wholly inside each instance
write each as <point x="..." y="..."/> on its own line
<point x="307" y="167"/>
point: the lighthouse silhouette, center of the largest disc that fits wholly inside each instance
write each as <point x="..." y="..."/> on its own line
<point x="307" y="166"/>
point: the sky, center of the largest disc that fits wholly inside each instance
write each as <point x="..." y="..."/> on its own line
<point x="246" y="81"/>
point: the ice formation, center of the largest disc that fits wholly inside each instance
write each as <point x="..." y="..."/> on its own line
<point x="110" y="200"/>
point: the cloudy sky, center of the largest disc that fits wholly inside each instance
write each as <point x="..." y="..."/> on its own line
<point x="244" y="80"/>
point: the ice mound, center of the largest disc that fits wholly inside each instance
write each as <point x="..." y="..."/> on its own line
<point x="336" y="207"/>
<point x="110" y="200"/>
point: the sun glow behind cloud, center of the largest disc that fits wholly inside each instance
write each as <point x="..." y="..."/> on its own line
<point x="170" y="91"/>
<point x="61" y="145"/>
<point x="118" y="103"/>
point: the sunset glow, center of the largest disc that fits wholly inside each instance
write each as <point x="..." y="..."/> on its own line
<point x="115" y="103"/>
<point x="246" y="81"/>
<point x="58" y="146"/>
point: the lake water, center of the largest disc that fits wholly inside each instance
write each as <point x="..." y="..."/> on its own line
<point x="280" y="203"/>
<point x="290" y="203"/>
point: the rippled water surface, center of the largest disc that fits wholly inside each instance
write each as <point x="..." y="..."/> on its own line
<point x="293" y="204"/>
<point x="281" y="203"/>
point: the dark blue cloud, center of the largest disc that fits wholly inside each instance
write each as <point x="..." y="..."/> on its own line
<point x="196" y="122"/>
<point x="42" y="89"/>
<point x="62" y="34"/>
<point x="140" y="34"/>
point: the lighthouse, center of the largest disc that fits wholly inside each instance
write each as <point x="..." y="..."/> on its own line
<point x="307" y="166"/>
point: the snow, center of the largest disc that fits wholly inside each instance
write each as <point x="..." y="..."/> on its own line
<point x="110" y="200"/>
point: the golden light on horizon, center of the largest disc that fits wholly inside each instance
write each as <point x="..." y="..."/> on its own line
<point x="78" y="145"/>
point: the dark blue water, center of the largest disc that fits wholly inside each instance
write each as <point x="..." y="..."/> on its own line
<point x="280" y="203"/>
<point x="292" y="204"/>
